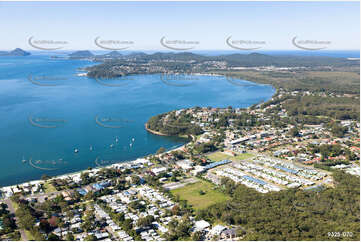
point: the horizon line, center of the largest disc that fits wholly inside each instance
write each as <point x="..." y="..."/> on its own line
<point x="189" y="51"/>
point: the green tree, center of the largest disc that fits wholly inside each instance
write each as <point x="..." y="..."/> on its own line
<point x="53" y="237"/>
<point x="161" y="150"/>
<point x="69" y="237"/>
<point x="90" y="238"/>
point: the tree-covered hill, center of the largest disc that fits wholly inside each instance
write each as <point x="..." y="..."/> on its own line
<point x="293" y="214"/>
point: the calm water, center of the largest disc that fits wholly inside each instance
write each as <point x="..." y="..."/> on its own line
<point x="46" y="123"/>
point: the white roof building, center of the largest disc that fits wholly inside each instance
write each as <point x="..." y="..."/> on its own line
<point x="159" y="170"/>
<point x="185" y="164"/>
<point x="201" y="225"/>
<point x="217" y="230"/>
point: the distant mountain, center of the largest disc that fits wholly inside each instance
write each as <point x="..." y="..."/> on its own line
<point x="232" y="60"/>
<point x="185" y="62"/>
<point x="16" y="52"/>
<point x="137" y="55"/>
<point x="183" y="56"/>
<point x="112" y="54"/>
<point x="257" y="59"/>
<point x="81" y="54"/>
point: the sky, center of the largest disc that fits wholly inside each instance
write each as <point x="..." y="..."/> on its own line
<point x="209" y="24"/>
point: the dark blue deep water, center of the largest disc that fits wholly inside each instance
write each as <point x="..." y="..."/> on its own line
<point x="44" y="123"/>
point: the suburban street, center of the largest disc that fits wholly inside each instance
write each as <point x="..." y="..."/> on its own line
<point x="12" y="210"/>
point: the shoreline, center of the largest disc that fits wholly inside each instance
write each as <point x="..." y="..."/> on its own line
<point x="92" y="168"/>
<point x="121" y="162"/>
<point x="85" y="170"/>
<point x="153" y="131"/>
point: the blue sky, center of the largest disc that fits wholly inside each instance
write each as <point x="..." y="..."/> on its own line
<point x="209" y="23"/>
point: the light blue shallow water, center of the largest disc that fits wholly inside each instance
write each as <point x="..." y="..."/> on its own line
<point x="27" y="108"/>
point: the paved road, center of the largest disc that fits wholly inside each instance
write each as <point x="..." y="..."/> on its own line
<point x="41" y="196"/>
<point x="115" y="235"/>
<point x="12" y="210"/>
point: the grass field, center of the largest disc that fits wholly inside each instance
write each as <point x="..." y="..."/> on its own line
<point x="191" y="193"/>
<point x="15" y="205"/>
<point x="49" y="188"/>
<point x="29" y="235"/>
<point x="218" y="156"/>
<point x="242" y="156"/>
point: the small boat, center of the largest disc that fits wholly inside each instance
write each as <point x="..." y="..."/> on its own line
<point x="116" y="139"/>
<point x="133" y="139"/>
<point x="23" y="160"/>
<point x="91" y="148"/>
<point x="112" y="145"/>
<point x="76" y="150"/>
<point x="130" y="144"/>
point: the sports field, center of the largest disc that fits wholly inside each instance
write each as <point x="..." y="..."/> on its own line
<point x="218" y="156"/>
<point x="192" y="193"/>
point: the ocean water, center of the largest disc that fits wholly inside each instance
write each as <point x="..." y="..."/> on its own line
<point x="47" y="111"/>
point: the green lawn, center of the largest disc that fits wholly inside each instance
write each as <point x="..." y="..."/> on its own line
<point x="191" y="193"/>
<point x="218" y="156"/>
<point x="242" y="156"/>
<point x="29" y="235"/>
<point x="15" y="205"/>
<point x="49" y="188"/>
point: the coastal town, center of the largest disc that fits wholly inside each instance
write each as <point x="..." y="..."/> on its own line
<point x="160" y="196"/>
<point x="180" y="120"/>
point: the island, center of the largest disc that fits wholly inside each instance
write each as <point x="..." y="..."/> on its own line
<point x="15" y="52"/>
